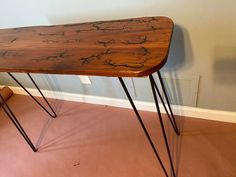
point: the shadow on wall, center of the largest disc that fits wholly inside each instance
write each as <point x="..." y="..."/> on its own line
<point x="180" y="58"/>
<point x="180" y="55"/>
<point x="225" y="65"/>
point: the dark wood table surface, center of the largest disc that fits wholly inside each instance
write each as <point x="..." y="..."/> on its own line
<point x="126" y="48"/>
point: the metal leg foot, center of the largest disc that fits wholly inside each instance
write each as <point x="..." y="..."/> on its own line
<point x="53" y="114"/>
<point x="12" y="117"/>
<point x="142" y="125"/>
<point x="152" y="82"/>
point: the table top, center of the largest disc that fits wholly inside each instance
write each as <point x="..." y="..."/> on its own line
<point x="126" y="48"/>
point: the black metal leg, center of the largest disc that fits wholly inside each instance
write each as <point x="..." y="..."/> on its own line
<point x="142" y="124"/>
<point x="52" y="115"/>
<point x="170" y="116"/>
<point x="168" y="103"/>
<point x="152" y="82"/>
<point x="12" y="117"/>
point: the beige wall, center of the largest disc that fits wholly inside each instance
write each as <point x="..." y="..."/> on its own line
<point x="204" y="41"/>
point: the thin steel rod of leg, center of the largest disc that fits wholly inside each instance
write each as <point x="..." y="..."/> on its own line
<point x="167" y="100"/>
<point x="171" y="117"/>
<point x="161" y="122"/>
<point x="12" y="117"/>
<point x="52" y="115"/>
<point x="142" y="124"/>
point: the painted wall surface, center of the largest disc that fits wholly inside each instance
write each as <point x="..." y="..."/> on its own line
<point x="204" y="44"/>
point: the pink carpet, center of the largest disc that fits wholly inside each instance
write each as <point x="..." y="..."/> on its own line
<point x="87" y="140"/>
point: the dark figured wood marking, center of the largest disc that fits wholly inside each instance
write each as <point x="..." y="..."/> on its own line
<point x="106" y="42"/>
<point x="140" y="40"/>
<point x="13" y="40"/>
<point x="84" y="30"/>
<point x="57" y="56"/>
<point x="8" y="54"/>
<point x="50" y="41"/>
<point x="145" y="51"/>
<point x="3" y="53"/>
<point x="53" y="34"/>
<point x="110" y="63"/>
<point x="71" y="25"/>
<point x="62" y="41"/>
<point x="87" y="60"/>
<point x="98" y="27"/>
<point x="133" y="47"/>
<point x="23" y="29"/>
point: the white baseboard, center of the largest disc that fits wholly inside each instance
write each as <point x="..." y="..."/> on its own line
<point x="224" y="116"/>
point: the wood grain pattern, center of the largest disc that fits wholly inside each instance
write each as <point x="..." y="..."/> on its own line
<point x="128" y="48"/>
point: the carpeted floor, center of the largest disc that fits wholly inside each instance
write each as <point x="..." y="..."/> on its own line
<point x="87" y="140"/>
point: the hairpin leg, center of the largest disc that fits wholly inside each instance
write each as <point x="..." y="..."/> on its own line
<point x="168" y="103"/>
<point x="170" y="115"/>
<point x="12" y="117"/>
<point x="52" y="115"/>
<point x="142" y="125"/>
<point x="152" y="82"/>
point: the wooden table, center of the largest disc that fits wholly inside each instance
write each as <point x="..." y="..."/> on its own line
<point x="134" y="47"/>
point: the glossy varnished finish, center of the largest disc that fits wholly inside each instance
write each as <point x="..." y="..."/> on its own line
<point x="127" y="48"/>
